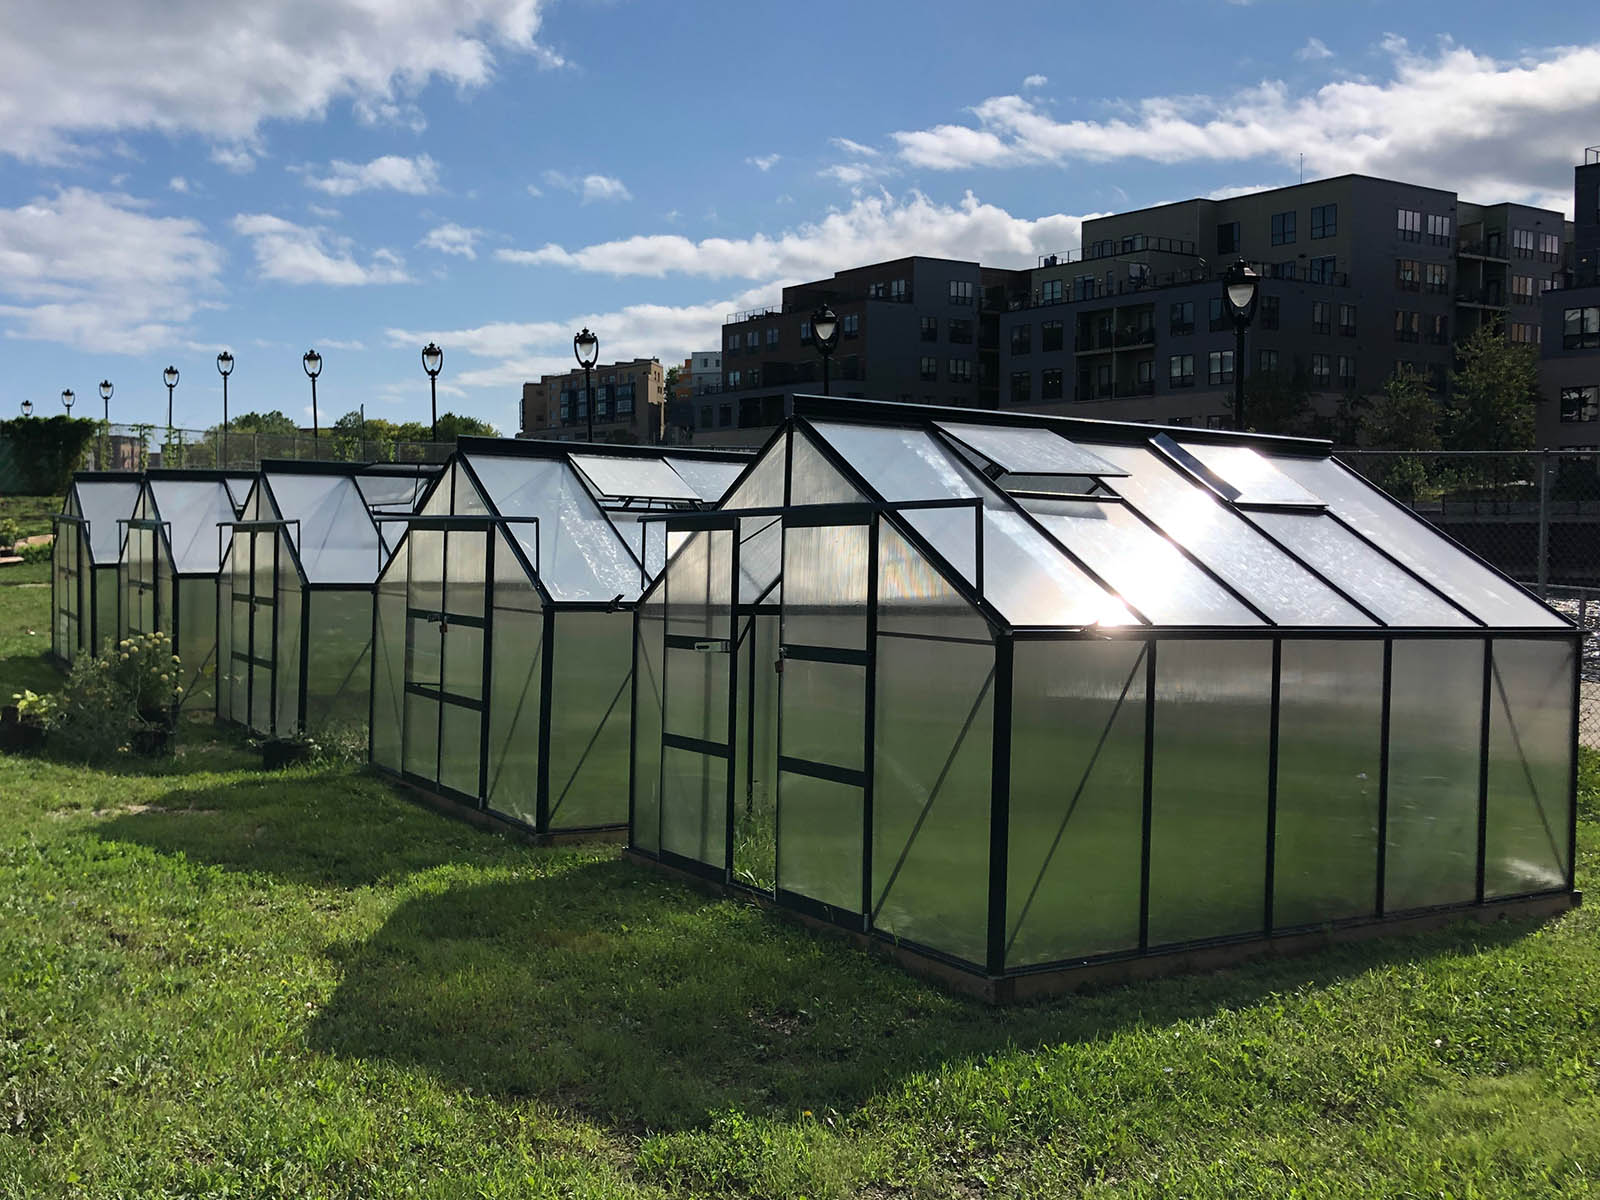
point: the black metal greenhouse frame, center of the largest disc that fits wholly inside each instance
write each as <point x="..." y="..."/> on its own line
<point x="992" y="977"/>
<point x="85" y="567"/>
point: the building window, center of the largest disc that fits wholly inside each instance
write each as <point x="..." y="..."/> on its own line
<point x="1407" y="325"/>
<point x="705" y="416"/>
<point x="1324" y="221"/>
<point x="734" y="381"/>
<point x="1321" y="270"/>
<point x="1050" y="292"/>
<point x="877" y="291"/>
<point x="1526" y="333"/>
<point x="1407" y="275"/>
<point x="899" y="290"/>
<point x="1021" y="387"/>
<point x="1267" y="316"/>
<point x="1522" y="289"/>
<point x="1266" y="360"/>
<point x="1217" y="318"/>
<point x="1436" y="278"/>
<point x="805" y="333"/>
<point x="1320" y="322"/>
<point x="1438" y="230"/>
<point x="1182" y="320"/>
<point x="624" y="406"/>
<point x="1283" y="229"/>
<point x="850" y="326"/>
<point x="1050" y="385"/>
<point x="960" y="370"/>
<point x="1219" y="366"/>
<point x="961" y="330"/>
<point x="1580" y="404"/>
<point x="930" y="329"/>
<point x="960" y="291"/>
<point x="1021" y="339"/>
<point x="1180" y="369"/>
<point x="755" y="377"/>
<point x="1347" y="320"/>
<point x="1051" y="335"/>
<point x="725" y="415"/>
<point x="1321" y="370"/>
<point x="772" y="338"/>
<point x="1408" y="224"/>
<point x="1580" y="328"/>
<point x="1522" y="243"/>
<point x="1347" y="371"/>
<point x="1549" y="247"/>
<point x="1438" y="330"/>
<point x="930" y="369"/>
<point x="1228" y="238"/>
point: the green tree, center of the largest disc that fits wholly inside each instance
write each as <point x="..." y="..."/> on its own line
<point x="1277" y="401"/>
<point x="254" y="422"/>
<point x="1404" y="416"/>
<point x="451" y="426"/>
<point x="1493" y="391"/>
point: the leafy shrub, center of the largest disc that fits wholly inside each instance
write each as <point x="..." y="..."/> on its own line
<point x="35" y="552"/>
<point x="146" y="669"/>
<point x="34" y="708"/>
<point x="94" y="716"/>
<point x="10" y="531"/>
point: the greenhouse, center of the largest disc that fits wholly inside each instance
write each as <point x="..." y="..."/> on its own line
<point x="88" y="536"/>
<point x="295" y="593"/>
<point x="167" y="573"/>
<point x="1012" y="696"/>
<point x="504" y="626"/>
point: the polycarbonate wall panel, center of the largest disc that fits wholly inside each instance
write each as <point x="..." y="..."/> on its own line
<point x="824" y="712"/>
<point x="1530" y="767"/>
<point x="198" y="633"/>
<point x="694" y="806"/>
<point x="340" y="660"/>
<point x="462" y="668"/>
<point x="697" y="685"/>
<point x="755" y="839"/>
<point x="289" y="601"/>
<point x="1394" y="596"/>
<point x="1495" y="600"/>
<point x="1435" y="730"/>
<point x="825" y="586"/>
<point x="763" y="487"/>
<point x="699" y="586"/>
<point x="1140" y="565"/>
<point x="427" y="569"/>
<point x="228" y="671"/>
<point x="1330" y="746"/>
<point x="1225" y="542"/>
<point x="820" y="832"/>
<point x="105" y="607"/>
<point x="589" y="719"/>
<point x="1077" y="800"/>
<point x="913" y="597"/>
<point x="813" y="479"/>
<point x="388" y="680"/>
<point x="645" y="831"/>
<point x="1208" y="819"/>
<point x="420" y="750"/>
<point x="760" y="559"/>
<point x="460" y="749"/>
<point x="933" y="769"/>
<point x="466" y="571"/>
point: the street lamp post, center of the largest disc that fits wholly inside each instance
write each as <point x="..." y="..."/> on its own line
<point x="312" y="362"/>
<point x="825" y="331"/>
<point x="106" y="389"/>
<point x="68" y="399"/>
<point x="587" y="348"/>
<point x="27" y="408"/>
<point x="225" y="368"/>
<point x="433" y="363"/>
<point x="1240" y="286"/>
<point x="170" y="378"/>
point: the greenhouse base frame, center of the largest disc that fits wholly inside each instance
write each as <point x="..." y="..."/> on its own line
<point x="490" y="821"/>
<point x="1055" y="979"/>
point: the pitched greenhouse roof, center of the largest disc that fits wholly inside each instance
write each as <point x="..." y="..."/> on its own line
<point x="192" y="508"/>
<point x="1104" y="524"/>
<point x="333" y="533"/>
<point x="103" y="503"/>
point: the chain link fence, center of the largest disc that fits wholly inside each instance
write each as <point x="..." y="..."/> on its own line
<point x="1534" y="514"/>
<point x="137" y="447"/>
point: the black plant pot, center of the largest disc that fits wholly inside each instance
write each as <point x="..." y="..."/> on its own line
<point x="17" y="735"/>
<point x="277" y="753"/>
<point x="151" y="741"/>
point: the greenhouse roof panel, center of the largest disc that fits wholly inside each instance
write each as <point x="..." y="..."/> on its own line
<point x="1236" y="473"/>
<point x="709" y="479"/>
<point x="620" y="478"/>
<point x="1029" y="451"/>
<point x="192" y="509"/>
<point x="103" y="503"/>
<point x="333" y="532"/>
<point x="392" y="492"/>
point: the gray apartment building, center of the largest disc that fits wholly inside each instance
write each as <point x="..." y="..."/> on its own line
<point x="914" y="329"/>
<point x="1359" y="277"/>
<point x="1569" y="368"/>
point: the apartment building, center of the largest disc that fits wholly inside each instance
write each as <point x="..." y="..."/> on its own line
<point x="629" y="404"/>
<point x="1569" y="365"/>
<point x="917" y="329"/>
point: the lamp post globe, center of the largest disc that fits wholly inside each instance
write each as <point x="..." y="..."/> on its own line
<point x="27" y="408"/>
<point x="224" y="368"/>
<point x="1240" y="288"/>
<point x="432" y="363"/>
<point x="825" y="332"/>
<point x="68" y="399"/>
<point x="312" y="362"/>
<point x="170" y="378"/>
<point x="586" y="346"/>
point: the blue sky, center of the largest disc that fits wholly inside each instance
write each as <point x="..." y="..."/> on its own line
<point x="359" y="176"/>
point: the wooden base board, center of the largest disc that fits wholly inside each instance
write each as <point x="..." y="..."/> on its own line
<point x="1034" y="985"/>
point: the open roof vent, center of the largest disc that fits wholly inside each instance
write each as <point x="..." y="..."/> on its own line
<point x="1236" y="473"/>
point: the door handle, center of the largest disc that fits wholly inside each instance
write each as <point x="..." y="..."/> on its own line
<point x="713" y="646"/>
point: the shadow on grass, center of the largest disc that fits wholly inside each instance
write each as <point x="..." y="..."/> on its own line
<point x="651" y="1006"/>
<point x="328" y="828"/>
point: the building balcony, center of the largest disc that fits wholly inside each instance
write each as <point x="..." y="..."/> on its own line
<point x="1136" y="337"/>
<point x="1480" y="298"/>
<point x="1128" y="387"/>
<point x="1492" y="250"/>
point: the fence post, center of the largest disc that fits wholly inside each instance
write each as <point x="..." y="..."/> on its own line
<point x="1544" y="523"/>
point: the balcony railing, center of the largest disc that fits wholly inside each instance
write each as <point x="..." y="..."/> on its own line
<point x="1129" y="387"/>
<point x="1133" y="243"/>
<point x="1481" y="297"/>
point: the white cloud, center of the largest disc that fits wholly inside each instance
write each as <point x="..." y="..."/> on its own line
<point x="178" y="184"/>
<point x="290" y="253"/>
<point x="764" y="162"/>
<point x="95" y="272"/>
<point x="1494" y="130"/>
<point x="1035" y="81"/>
<point x="590" y="187"/>
<point x="412" y="176"/>
<point x="323" y="211"/>
<point x="236" y="158"/>
<point x="854" y="174"/>
<point x="853" y="147"/>
<point x="222" y="68"/>
<point x="1314" y="49"/>
<point x="451" y="238"/>
<point x="873" y="228"/>
<point x="535" y="190"/>
<point x="338" y="344"/>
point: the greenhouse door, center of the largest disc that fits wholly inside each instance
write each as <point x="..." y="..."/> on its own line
<point x="447" y="642"/>
<point x="823" y="710"/>
<point x="254" y="632"/>
<point x="142" y="597"/>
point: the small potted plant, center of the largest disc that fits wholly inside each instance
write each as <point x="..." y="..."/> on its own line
<point x="24" y="722"/>
<point x="288" y="751"/>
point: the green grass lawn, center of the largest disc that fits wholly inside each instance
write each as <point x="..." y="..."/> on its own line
<point x="215" y="982"/>
<point x="31" y="513"/>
